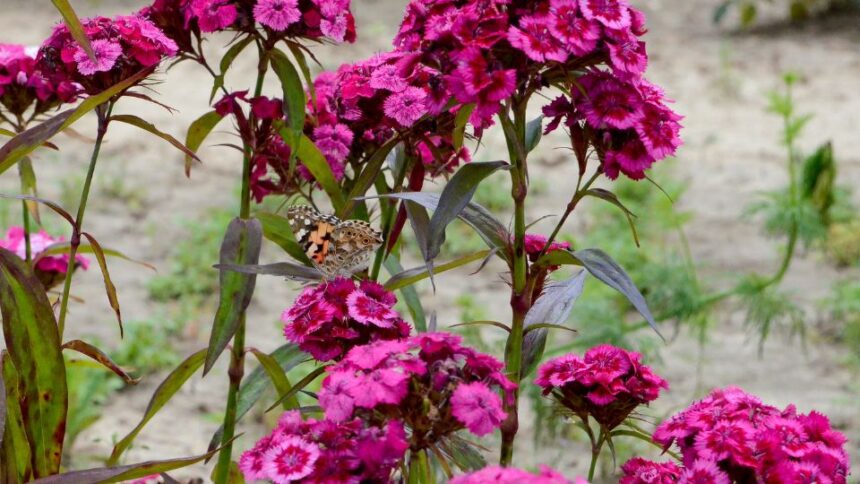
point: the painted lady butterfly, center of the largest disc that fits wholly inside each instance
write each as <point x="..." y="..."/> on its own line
<point x="336" y="247"/>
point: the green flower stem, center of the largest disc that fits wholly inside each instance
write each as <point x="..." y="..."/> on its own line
<point x="103" y="114"/>
<point x="520" y="297"/>
<point x="25" y="215"/>
<point x="236" y="370"/>
<point x="595" y="453"/>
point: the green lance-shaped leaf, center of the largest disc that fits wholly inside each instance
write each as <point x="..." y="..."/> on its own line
<point x="258" y="381"/>
<point x="411" y="276"/>
<point x="534" y="130"/>
<point x="289" y="270"/>
<point x="489" y="228"/>
<point x="460" y="122"/>
<point x="100" y="356"/>
<point x="278" y="377"/>
<point x="313" y="159"/>
<point x="241" y="245"/>
<point x="227" y="61"/>
<point x="600" y="265"/>
<point x="552" y="307"/>
<point x="455" y="196"/>
<point x="198" y="131"/>
<point x="28" y="186"/>
<point x="294" y="99"/>
<point x="110" y="288"/>
<point x="368" y="176"/>
<point x="27" y="141"/>
<point x="53" y="206"/>
<point x="162" y="395"/>
<point x="59" y="248"/>
<point x="103" y="475"/>
<point x="138" y="122"/>
<point x="462" y="453"/>
<point x="15" y="451"/>
<point x="33" y="343"/>
<point x="409" y="295"/>
<point x="277" y="229"/>
<point x="420" y="221"/>
<point x="613" y="199"/>
<point x="74" y="25"/>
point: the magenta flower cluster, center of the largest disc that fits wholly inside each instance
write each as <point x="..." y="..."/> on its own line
<point x="122" y="47"/>
<point x="430" y="382"/>
<point x="21" y="85"/>
<point x="330" y="319"/>
<point x="324" y="451"/>
<point x="310" y="19"/>
<point x="512" y="475"/>
<point x="607" y="383"/>
<point x="49" y="268"/>
<point x="731" y="436"/>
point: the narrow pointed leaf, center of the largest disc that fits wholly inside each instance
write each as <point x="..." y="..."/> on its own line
<point x="104" y="475"/>
<point x="534" y="130"/>
<point x="198" y="131"/>
<point x="368" y="175"/>
<point x="420" y="221"/>
<point x="162" y="395"/>
<point x="310" y="377"/>
<point x="98" y="355"/>
<point x="75" y="27"/>
<point x="277" y="376"/>
<point x="28" y="186"/>
<point x="483" y="323"/>
<point x="15" y="450"/>
<point x="110" y="289"/>
<point x="53" y="206"/>
<point x="411" y="276"/>
<point x="138" y="122"/>
<point x="227" y="61"/>
<point x="277" y="229"/>
<point x="294" y="98"/>
<point x="455" y="196"/>
<point x="553" y="306"/>
<point x="601" y="266"/>
<point x="613" y="199"/>
<point x="460" y="122"/>
<point x="33" y="343"/>
<point x="64" y="247"/>
<point x="289" y="270"/>
<point x="27" y="141"/>
<point x="302" y="61"/>
<point x="313" y="159"/>
<point x="241" y="245"/>
<point x="409" y="294"/>
<point x="258" y="381"/>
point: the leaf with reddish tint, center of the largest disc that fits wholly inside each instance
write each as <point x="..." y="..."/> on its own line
<point x="98" y="355"/>
<point x="103" y="475"/>
<point x="198" y="131"/>
<point x="15" y="450"/>
<point x="33" y="343"/>
<point x="150" y="128"/>
<point x="74" y="25"/>
<point x="25" y="142"/>
<point x="162" y="395"/>
<point x="53" y="206"/>
<point x="110" y="289"/>
<point x="241" y="245"/>
<point x="254" y="385"/>
<point x="64" y="247"/>
<point x="227" y="61"/>
<point x="411" y="276"/>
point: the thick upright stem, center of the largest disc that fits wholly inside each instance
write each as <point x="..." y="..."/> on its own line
<point x="237" y="355"/>
<point x="103" y="113"/>
<point x="520" y="298"/>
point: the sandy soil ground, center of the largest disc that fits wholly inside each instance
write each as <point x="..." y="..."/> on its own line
<point x="731" y="153"/>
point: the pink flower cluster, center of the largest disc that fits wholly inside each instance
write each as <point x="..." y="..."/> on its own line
<point x="486" y="49"/>
<point x="512" y="475"/>
<point x="731" y="436"/>
<point x="21" y="85"/>
<point x="430" y="382"/>
<point x="310" y="19"/>
<point x="323" y="451"/>
<point x="607" y="383"/>
<point x="330" y="319"/>
<point x="364" y="104"/>
<point x="49" y="268"/>
<point x="123" y="46"/>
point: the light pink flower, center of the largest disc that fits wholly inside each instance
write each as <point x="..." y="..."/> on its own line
<point x="106" y="53"/>
<point x="614" y="14"/>
<point x="277" y="14"/>
<point x="406" y="106"/>
<point x="477" y="407"/>
<point x="289" y="459"/>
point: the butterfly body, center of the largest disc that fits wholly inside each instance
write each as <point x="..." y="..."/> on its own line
<point x="337" y="248"/>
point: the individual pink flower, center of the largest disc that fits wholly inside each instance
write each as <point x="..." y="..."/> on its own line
<point x="106" y="52"/>
<point x="704" y="471"/>
<point x="50" y="269"/>
<point x="579" y="35"/>
<point x="277" y="14"/>
<point x="627" y="54"/>
<point x="406" y="106"/>
<point x="477" y="407"/>
<point x="614" y="14"/>
<point x="641" y="471"/>
<point x="612" y="104"/>
<point x="289" y="459"/>
<point x="212" y="15"/>
<point x="536" y="39"/>
<point x="659" y="129"/>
